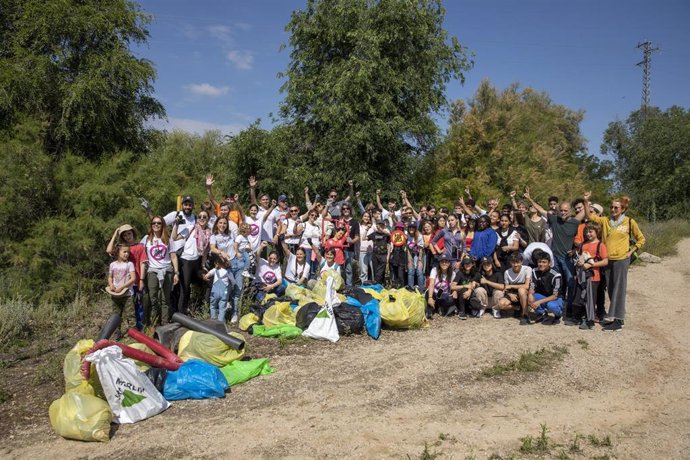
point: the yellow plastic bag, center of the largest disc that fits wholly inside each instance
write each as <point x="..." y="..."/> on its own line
<point x="403" y="309"/>
<point x="82" y="416"/>
<point x="247" y="320"/>
<point x="72" y="364"/>
<point x="278" y="314"/>
<point x="337" y="279"/>
<point x="375" y="294"/>
<point x="209" y="348"/>
<point x="143" y="367"/>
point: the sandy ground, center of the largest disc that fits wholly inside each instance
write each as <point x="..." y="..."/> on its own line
<point x="389" y="398"/>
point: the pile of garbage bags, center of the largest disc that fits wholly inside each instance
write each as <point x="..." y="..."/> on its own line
<point x="324" y="313"/>
<point x="110" y="382"/>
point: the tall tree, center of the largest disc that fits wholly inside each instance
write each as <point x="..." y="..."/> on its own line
<point x="504" y="140"/>
<point x="652" y="157"/>
<point x="67" y="64"/>
<point x="363" y="81"/>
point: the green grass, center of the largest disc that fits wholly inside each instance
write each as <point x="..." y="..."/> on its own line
<point x="530" y="361"/>
<point x="583" y="343"/>
<point x="538" y="445"/>
<point x="663" y="237"/>
<point x="50" y="369"/>
<point x="600" y="442"/>
<point x="4" y="395"/>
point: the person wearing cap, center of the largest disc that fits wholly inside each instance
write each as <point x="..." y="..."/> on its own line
<point x="465" y="283"/>
<point x="381" y="250"/>
<point x="415" y="256"/>
<point x="490" y="291"/>
<point x="440" y="298"/>
<point x="126" y="235"/>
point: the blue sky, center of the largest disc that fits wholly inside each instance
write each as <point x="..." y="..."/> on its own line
<point x="217" y="61"/>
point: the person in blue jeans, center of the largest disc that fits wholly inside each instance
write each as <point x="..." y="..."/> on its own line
<point x="544" y="292"/>
<point x="238" y="266"/>
<point x="222" y="282"/>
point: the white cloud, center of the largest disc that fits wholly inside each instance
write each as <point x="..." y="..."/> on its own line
<point x="243" y="26"/>
<point x="197" y="126"/>
<point x="222" y="33"/>
<point x="242" y="59"/>
<point x="205" y="89"/>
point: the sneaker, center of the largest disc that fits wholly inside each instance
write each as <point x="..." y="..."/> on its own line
<point x="524" y="321"/>
<point x="462" y="315"/>
<point x="234" y="319"/>
<point x="571" y="322"/>
<point x="614" y="326"/>
<point x="556" y="320"/>
<point x="478" y="313"/>
<point x="246" y="274"/>
<point x="540" y="318"/>
<point x="496" y="313"/>
<point x="607" y="320"/>
<point x="586" y="325"/>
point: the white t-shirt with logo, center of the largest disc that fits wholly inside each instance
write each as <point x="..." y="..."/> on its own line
<point x="267" y="273"/>
<point x="224" y="243"/>
<point x="254" y="231"/>
<point x="158" y="253"/>
<point x="441" y="285"/>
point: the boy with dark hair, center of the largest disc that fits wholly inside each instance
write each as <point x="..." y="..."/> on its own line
<point x="465" y="283"/>
<point x="543" y="296"/>
<point x="517" y="280"/>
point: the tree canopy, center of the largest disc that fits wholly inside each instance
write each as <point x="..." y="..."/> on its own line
<point x="652" y="157"/>
<point x="68" y="65"/>
<point x="504" y="140"/>
<point x="363" y="80"/>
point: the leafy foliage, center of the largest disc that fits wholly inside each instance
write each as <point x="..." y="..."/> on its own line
<point x="503" y="141"/>
<point x="67" y="64"/>
<point x="652" y="157"/>
<point x="363" y="80"/>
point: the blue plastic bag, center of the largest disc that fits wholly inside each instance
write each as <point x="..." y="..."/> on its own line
<point x="372" y="315"/>
<point x="195" y="379"/>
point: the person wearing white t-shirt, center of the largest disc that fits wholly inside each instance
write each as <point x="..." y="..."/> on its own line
<point x="161" y="274"/>
<point x="269" y="276"/>
<point x="507" y="243"/>
<point x="311" y="238"/>
<point x="297" y="267"/>
<point x="517" y="281"/>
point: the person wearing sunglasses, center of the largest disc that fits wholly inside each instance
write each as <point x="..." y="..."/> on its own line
<point x="161" y="274"/>
<point x="192" y="258"/>
<point x="293" y="228"/>
<point x="335" y="205"/>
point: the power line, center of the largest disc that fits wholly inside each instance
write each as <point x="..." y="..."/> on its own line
<point x="646" y="64"/>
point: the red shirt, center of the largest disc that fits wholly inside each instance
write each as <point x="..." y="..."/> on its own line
<point x="591" y="249"/>
<point x="137" y="255"/>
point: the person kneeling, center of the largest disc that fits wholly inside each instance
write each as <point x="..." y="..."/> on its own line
<point x="490" y="293"/>
<point x="543" y="296"/>
<point x="517" y="280"/>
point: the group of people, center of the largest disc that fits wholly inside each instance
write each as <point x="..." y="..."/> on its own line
<point x="519" y="259"/>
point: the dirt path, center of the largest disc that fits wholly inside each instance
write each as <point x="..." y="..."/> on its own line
<point x="387" y="399"/>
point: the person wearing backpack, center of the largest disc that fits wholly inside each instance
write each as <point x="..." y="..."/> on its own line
<point x="592" y="258"/>
<point x="622" y="237"/>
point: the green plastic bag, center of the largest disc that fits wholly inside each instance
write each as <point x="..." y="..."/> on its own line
<point x="282" y="330"/>
<point x="240" y="371"/>
<point x="209" y="348"/>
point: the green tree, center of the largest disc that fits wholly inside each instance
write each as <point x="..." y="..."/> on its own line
<point x="503" y="141"/>
<point x="67" y="64"/>
<point x="652" y="158"/>
<point x="363" y="81"/>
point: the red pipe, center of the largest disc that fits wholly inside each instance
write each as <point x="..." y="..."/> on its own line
<point x="139" y="355"/>
<point x="157" y="347"/>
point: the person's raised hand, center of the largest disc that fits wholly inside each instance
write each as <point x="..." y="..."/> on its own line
<point x="526" y="194"/>
<point x="588" y="195"/>
<point x="467" y="190"/>
<point x="306" y="189"/>
<point x="350" y="182"/>
<point x="209" y="180"/>
<point x="378" y="192"/>
<point x="252" y="181"/>
<point x="512" y="193"/>
<point x="273" y="203"/>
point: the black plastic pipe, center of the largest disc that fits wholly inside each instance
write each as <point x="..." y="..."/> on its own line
<point x="109" y="327"/>
<point x="194" y="325"/>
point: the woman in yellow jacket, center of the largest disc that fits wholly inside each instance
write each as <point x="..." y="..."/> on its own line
<point x="622" y="237"/>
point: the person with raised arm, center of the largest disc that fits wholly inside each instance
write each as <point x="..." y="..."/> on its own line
<point x="623" y="238"/>
<point x="564" y="227"/>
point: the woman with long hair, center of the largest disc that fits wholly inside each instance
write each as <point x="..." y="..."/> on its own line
<point x="366" y="248"/>
<point x="454" y="241"/>
<point x="161" y="275"/>
<point x="193" y="257"/>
